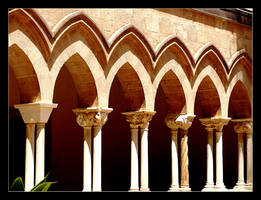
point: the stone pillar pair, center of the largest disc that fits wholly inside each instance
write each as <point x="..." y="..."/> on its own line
<point x="139" y="120"/>
<point x="216" y="124"/>
<point x="34" y="114"/>
<point x="179" y="124"/>
<point x="92" y="119"/>
<point x="244" y="126"/>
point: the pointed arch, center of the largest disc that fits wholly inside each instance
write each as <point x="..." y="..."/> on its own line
<point x="83" y="81"/>
<point x="178" y="83"/>
<point x="210" y="55"/>
<point x="78" y="31"/>
<point x="85" y="56"/>
<point x="209" y="81"/>
<point x="140" y="75"/>
<point x="179" y="49"/>
<point x="129" y="41"/>
<point x="20" y="20"/>
<point x="239" y="102"/>
<point x="25" y="75"/>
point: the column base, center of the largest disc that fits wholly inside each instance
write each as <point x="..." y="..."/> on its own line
<point x="220" y="187"/>
<point x="173" y="188"/>
<point x="185" y="189"/>
<point x="142" y="189"/>
<point x="249" y="186"/>
<point x="209" y="188"/>
<point x="133" y="190"/>
<point x="242" y="187"/>
<point x="86" y="190"/>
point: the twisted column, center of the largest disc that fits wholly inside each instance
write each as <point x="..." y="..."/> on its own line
<point x="139" y="119"/>
<point x="184" y="161"/>
<point x="181" y="123"/>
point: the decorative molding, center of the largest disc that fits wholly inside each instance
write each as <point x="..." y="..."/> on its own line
<point x="175" y="121"/>
<point x="139" y="118"/>
<point x="215" y="122"/>
<point x="243" y="125"/>
<point x="92" y="116"/>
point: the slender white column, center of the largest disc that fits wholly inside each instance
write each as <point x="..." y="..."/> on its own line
<point x="240" y="181"/>
<point x="144" y="159"/>
<point x="134" y="184"/>
<point x="29" y="157"/>
<point x="87" y="159"/>
<point x="97" y="153"/>
<point x="210" y="168"/>
<point x="40" y="152"/>
<point x="174" y="161"/>
<point x="241" y="127"/>
<point x="87" y="118"/>
<point x="219" y="161"/>
<point x="249" y="183"/>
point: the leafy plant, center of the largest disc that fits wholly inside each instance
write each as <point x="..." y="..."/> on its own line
<point x="18" y="185"/>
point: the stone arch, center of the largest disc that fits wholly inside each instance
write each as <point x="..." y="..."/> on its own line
<point x="239" y="91"/>
<point x="210" y="55"/>
<point x="174" y="48"/>
<point x="208" y="84"/>
<point x="23" y="42"/>
<point x="128" y="41"/>
<point x="78" y="31"/>
<point x="239" y="102"/>
<point x="90" y="67"/>
<point x="138" y="75"/>
<point x="178" y="83"/>
<point x="83" y="81"/>
<point x="20" y="20"/>
<point x="23" y="70"/>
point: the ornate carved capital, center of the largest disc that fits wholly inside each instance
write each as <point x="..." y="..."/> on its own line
<point x="243" y="125"/>
<point x="175" y="121"/>
<point x="88" y="117"/>
<point x="214" y="123"/>
<point x="139" y="118"/>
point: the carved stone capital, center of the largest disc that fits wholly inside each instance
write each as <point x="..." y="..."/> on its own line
<point x="139" y="118"/>
<point x="175" y="121"/>
<point x="242" y="125"/>
<point x="92" y="116"/>
<point x="214" y="123"/>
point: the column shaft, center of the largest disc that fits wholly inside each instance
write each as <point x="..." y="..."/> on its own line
<point x="240" y="181"/>
<point x="249" y="160"/>
<point x="40" y="152"/>
<point x="134" y="184"/>
<point x="29" y="157"/>
<point x="210" y="167"/>
<point x="184" y="161"/>
<point x="174" y="161"/>
<point x="97" y="158"/>
<point x="144" y="160"/>
<point x="219" y="160"/>
<point x="87" y="159"/>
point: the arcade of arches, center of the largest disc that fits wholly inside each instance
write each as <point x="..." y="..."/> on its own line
<point x="130" y="100"/>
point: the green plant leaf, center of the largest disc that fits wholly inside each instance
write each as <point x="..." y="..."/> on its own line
<point x="42" y="181"/>
<point x="17" y="185"/>
<point x="42" y="186"/>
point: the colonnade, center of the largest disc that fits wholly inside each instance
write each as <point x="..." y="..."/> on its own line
<point x="92" y="120"/>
